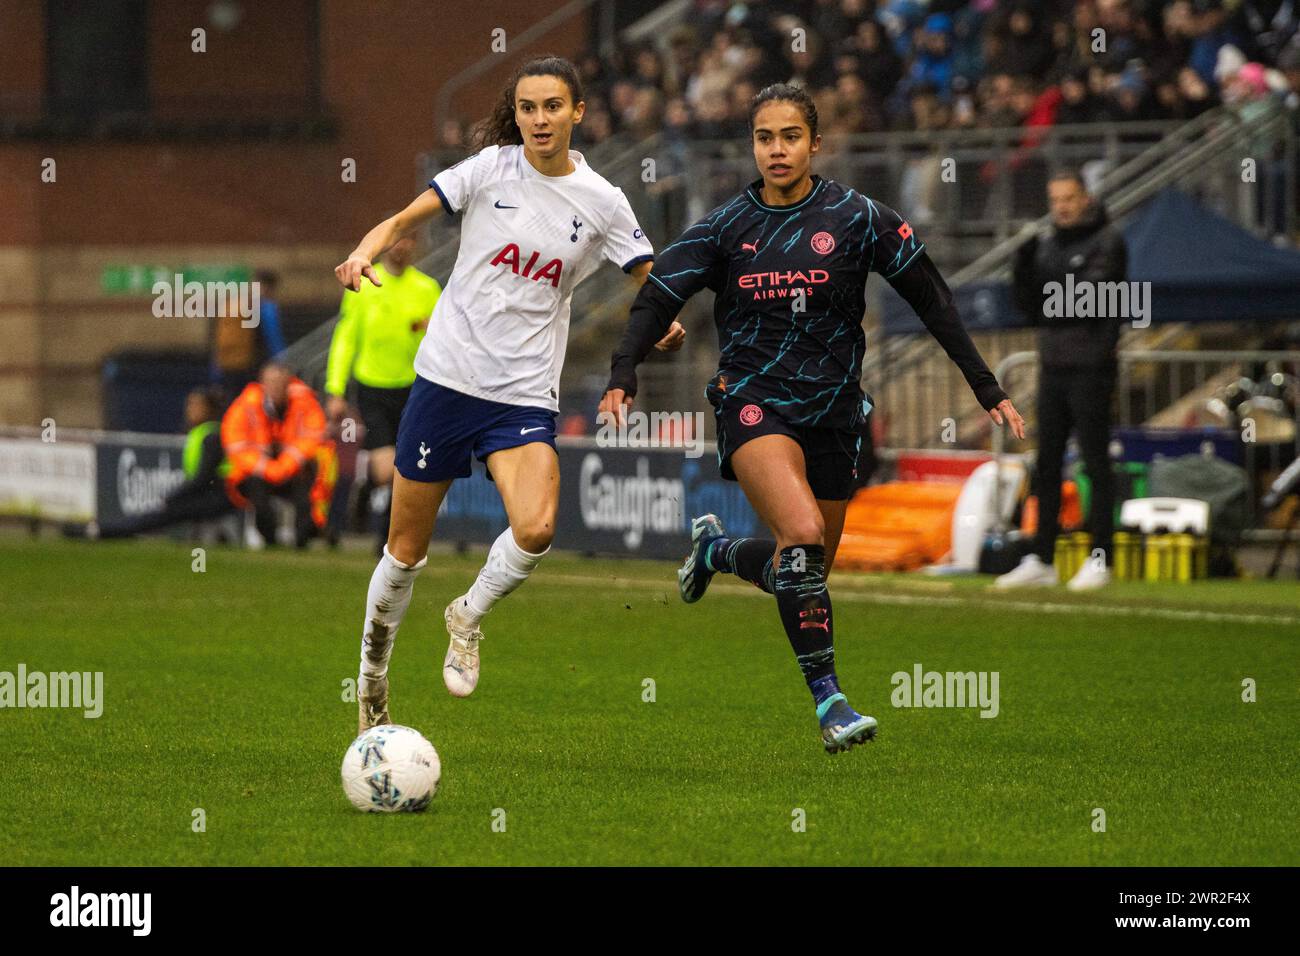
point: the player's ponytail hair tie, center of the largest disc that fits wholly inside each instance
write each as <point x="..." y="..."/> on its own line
<point x="500" y="128"/>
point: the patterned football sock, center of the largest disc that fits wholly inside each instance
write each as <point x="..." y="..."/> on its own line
<point x="805" y="607"/>
<point x="747" y="558"/>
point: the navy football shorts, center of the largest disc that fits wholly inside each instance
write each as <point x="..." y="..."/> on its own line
<point x="830" y="454"/>
<point x="442" y="430"/>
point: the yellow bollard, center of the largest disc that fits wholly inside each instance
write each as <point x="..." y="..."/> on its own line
<point x="1080" y="545"/>
<point x="1181" y="545"/>
<point x="1136" y="549"/>
<point x="1120" y="543"/>
<point x="1128" y="556"/>
<point x="1061" y="557"/>
<point x="1156" y="551"/>
<point x="1201" y="561"/>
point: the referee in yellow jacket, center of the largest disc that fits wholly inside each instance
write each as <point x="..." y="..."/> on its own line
<point x="375" y="342"/>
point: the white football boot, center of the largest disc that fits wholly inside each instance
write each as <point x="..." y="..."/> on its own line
<point x="1030" y="572"/>
<point x="1091" y="576"/>
<point x="461" y="665"/>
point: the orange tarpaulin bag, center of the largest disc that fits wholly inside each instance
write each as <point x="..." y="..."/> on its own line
<point x="898" y="526"/>
<point x="1071" y="515"/>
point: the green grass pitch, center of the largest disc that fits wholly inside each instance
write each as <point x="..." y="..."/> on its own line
<point x="223" y="690"/>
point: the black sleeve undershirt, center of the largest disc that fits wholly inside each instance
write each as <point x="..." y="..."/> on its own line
<point x="921" y="285"/>
<point x="652" y="313"/>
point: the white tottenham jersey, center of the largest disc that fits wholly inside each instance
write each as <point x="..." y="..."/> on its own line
<point x="500" y="328"/>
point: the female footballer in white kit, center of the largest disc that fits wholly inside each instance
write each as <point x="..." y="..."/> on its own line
<point x="537" y="221"/>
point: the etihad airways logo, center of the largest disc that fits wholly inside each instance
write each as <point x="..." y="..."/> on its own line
<point x="783" y="285"/>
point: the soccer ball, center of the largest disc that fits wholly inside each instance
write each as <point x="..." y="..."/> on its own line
<point x="390" y="769"/>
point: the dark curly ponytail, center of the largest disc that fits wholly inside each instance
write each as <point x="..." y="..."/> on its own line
<point x="500" y="128"/>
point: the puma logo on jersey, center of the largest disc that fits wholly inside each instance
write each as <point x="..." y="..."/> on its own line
<point x="509" y="256"/>
<point x="750" y="246"/>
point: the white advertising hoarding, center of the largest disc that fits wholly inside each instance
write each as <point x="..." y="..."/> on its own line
<point x="50" y="480"/>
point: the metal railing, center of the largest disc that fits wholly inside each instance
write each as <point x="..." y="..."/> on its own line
<point x="1184" y="157"/>
<point x="915" y="405"/>
<point x="1185" y="151"/>
<point x="1192" y="389"/>
<point x="964" y="189"/>
<point x="975" y="212"/>
<point x="908" y="371"/>
<point x="1203" y="154"/>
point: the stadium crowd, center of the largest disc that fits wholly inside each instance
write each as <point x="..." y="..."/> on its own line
<point x="877" y="65"/>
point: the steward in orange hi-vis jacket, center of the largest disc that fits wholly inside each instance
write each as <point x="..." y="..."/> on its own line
<point x="274" y="439"/>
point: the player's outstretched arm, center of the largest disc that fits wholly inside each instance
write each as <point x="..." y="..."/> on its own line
<point x="676" y="331"/>
<point x="682" y="269"/>
<point x="927" y="293"/>
<point x="360" y="263"/>
<point x="651" y="324"/>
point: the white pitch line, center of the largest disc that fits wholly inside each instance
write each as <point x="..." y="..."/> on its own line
<point x="1044" y="607"/>
<point x="842" y="594"/>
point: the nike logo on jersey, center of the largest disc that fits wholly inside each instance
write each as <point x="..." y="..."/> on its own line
<point x="498" y="205"/>
<point x="539" y="428"/>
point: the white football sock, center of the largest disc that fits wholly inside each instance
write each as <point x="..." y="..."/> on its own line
<point x="386" y="604"/>
<point x="507" y="567"/>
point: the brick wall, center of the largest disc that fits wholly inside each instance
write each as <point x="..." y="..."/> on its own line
<point x="281" y="206"/>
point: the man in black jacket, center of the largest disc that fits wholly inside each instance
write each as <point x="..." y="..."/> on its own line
<point x="1077" y="369"/>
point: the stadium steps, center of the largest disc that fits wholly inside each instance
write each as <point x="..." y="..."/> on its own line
<point x="1204" y="152"/>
